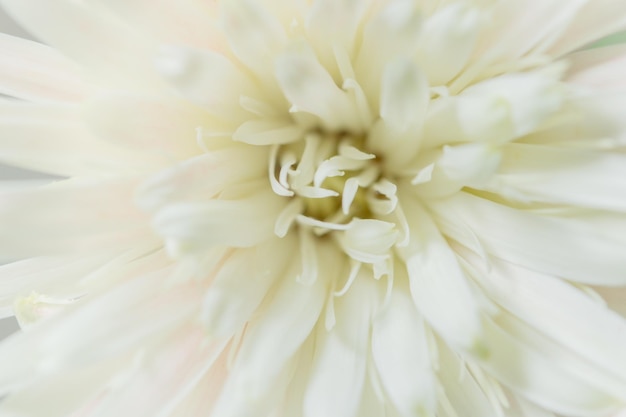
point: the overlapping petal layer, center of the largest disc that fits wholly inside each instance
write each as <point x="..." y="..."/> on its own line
<point x="316" y="208"/>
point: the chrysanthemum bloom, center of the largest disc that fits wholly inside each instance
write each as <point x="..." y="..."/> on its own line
<point x="328" y="208"/>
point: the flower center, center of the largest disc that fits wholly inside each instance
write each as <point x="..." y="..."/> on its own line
<point x="331" y="179"/>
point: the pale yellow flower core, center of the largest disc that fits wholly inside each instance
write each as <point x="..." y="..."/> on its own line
<point x="334" y="177"/>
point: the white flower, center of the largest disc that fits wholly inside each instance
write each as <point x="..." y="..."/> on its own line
<point x="316" y="208"/>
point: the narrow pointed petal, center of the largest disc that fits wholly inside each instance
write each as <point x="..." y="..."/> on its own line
<point x="52" y="395"/>
<point x="276" y="335"/>
<point x="438" y="284"/>
<point x="461" y="392"/>
<point x="194" y="226"/>
<point x="164" y="376"/>
<point x="122" y="56"/>
<point x="547" y="376"/>
<point x="402" y="356"/>
<point x="143" y="307"/>
<point x="599" y="68"/>
<point x="189" y="22"/>
<point x="558" y="175"/>
<point x="338" y="373"/>
<point x="208" y="79"/>
<point x="164" y="126"/>
<point x="253" y="33"/>
<point x="579" y="248"/>
<point x="595" y="20"/>
<point x="78" y="217"/>
<point x="241" y="284"/>
<point x="64" y="146"/>
<point x="202" y="177"/>
<point x="582" y="327"/>
<point x="36" y="72"/>
<point x="447" y="41"/>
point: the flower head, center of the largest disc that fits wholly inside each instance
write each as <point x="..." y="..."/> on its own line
<point x="324" y="208"/>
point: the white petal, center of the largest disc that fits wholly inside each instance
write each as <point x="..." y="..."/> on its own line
<point x="372" y="405"/>
<point x="532" y="367"/>
<point x="447" y="41"/>
<point x="599" y="67"/>
<point x="390" y="34"/>
<point x="37" y="307"/>
<point x="496" y="110"/>
<point x="584" y="329"/>
<point x="332" y="24"/>
<point x="253" y="33"/>
<point x="578" y="249"/>
<point x="122" y="55"/>
<point x="48" y="275"/>
<point x="589" y="120"/>
<point x="438" y="285"/>
<point x="143" y="309"/>
<point x="558" y="175"/>
<point x="36" y="72"/>
<point x="516" y="30"/>
<point x="273" y="341"/>
<point x="202" y="398"/>
<point x="401" y="356"/>
<point x="309" y="88"/>
<point x="187" y="22"/>
<point x="207" y="79"/>
<point x="51" y="394"/>
<point x="338" y="370"/>
<point x="404" y="96"/>
<point x="241" y="283"/>
<point x="78" y="217"/>
<point x="403" y="105"/>
<point x="595" y="20"/>
<point x="165" y="375"/>
<point x="164" y="126"/>
<point x="52" y="139"/>
<point x="460" y="391"/>
<point x="269" y="132"/>
<point x="467" y="165"/>
<point x="274" y="336"/>
<point x="195" y="226"/>
<point x="202" y="177"/>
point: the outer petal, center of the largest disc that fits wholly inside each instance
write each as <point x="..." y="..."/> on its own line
<point x="579" y="248"/>
<point x="164" y="377"/>
<point x="202" y="177"/>
<point x="60" y="395"/>
<point x="535" y="369"/>
<point x="462" y="393"/>
<point x="72" y="217"/>
<point x="438" y="284"/>
<point x="241" y="284"/>
<point x="401" y="354"/>
<point x="164" y="126"/>
<point x="602" y="68"/>
<point x="510" y="36"/>
<point x="53" y="139"/>
<point x="143" y="310"/>
<point x="590" y="336"/>
<point x="32" y="71"/>
<point x="275" y="336"/>
<point x="560" y="175"/>
<point x="50" y="276"/>
<point x="595" y="20"/>
<point x="188" y="22"/>
<point x="121" y="51"/>
<point x="338" y="372"/>
<point x="243" y="222"/>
